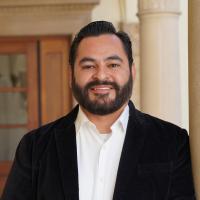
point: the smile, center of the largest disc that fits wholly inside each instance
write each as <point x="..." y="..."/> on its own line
<point x="101" y="89"/>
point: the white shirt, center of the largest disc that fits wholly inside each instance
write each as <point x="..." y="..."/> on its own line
<point x="98" y="156"/>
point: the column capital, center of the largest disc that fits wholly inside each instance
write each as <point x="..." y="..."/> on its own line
<point x="158" y="6"/>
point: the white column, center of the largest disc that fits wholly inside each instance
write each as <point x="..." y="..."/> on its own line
<point x="194" y="89"/>
<point x="160" y="63"/>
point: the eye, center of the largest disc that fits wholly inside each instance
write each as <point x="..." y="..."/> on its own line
<point x="114" y="65"/>
<point x="88" y="67"/>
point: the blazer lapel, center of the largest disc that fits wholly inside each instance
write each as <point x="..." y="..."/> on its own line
<point x="132" y="148"/>
<point x="67" y="156"/>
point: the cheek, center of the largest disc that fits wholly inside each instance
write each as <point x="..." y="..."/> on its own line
<point x="122" y="78"/>
<point x="81" y="78"/>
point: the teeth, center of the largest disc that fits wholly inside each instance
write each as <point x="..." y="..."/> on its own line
<point x="105" y="88"/>
<point x="102" y="88"/>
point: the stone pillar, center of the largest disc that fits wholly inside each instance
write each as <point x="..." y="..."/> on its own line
<point x="160" y="63"/>
<point x="194" y="89"/>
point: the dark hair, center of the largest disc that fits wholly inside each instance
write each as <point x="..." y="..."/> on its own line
<point x="97" y="28"/>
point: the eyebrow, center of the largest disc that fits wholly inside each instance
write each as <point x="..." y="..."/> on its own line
<point x="89" y="59"/>
<point x="114" y="57"/>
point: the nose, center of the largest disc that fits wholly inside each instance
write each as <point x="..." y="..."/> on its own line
<point x="101" y="72"/>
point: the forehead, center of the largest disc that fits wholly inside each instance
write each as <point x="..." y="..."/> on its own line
<point x="101" y="45"/>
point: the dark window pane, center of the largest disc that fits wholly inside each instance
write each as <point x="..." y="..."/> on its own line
<point x="9" y="139"/>
<point x="13" y="70"/>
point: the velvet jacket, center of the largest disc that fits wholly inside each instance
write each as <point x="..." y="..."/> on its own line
<point x="155" y="162"/>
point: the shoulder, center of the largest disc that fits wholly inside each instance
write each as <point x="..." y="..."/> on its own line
<point x="59" y="123"/>
<point x="162" y="140"/>
<point x="157" y="130"/>
<point x="38" y="139"/>
<point x="160" y="128"/>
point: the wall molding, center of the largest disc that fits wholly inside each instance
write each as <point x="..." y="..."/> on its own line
<point x="11" y="3"/>
<point x="44" y="9"/>
<point x="44" y="17"/>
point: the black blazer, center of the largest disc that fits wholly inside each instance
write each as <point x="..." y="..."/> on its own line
<point x="154" y="165"/>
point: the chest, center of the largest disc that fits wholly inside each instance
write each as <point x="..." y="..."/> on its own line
<point x="61" y="179"/>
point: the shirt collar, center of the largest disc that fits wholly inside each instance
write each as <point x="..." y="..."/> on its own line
<point x="81" y="119"/>
<point x="122" y="121"/>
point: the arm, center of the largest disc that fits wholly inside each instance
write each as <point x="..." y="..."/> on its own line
<point x="19" y="182"/>
<point x="182" y="187"/>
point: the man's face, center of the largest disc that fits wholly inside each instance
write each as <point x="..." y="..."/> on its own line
<point x="102" y="79"/>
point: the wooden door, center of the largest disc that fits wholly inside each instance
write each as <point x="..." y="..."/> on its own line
<point x="34" y="89"/>
<point x="55" y="91"/>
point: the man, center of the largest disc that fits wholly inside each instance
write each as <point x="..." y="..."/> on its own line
<point x="104" y="149"/>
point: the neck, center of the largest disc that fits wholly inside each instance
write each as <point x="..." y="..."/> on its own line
<point x="104" y="122"/>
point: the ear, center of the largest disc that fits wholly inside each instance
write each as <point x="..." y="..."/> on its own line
<point x="133" y="71"/>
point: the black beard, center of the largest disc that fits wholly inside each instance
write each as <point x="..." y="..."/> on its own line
<point x="102" y="105"/>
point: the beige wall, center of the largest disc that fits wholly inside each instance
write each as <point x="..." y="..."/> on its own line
<point x="184" y="62"/>
<point x="107" y="10"/>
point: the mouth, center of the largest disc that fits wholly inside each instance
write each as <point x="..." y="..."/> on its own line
<point x="101" y="89"/>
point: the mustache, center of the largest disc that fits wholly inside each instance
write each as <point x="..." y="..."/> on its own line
<point x="99" y="82"/>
